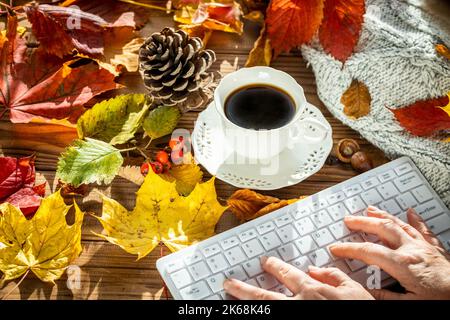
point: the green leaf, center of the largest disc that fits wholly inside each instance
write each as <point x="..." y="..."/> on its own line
<point x="161" y="121"/>
<point x="115" y="120"/>
<point x="90" y="161"/>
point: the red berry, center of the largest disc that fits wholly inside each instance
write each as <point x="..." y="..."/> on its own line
<point x="167" y="166"/>
<point x="144" y="168"/>
<point x="162" y="157"/>
<point x="157" y="167"/>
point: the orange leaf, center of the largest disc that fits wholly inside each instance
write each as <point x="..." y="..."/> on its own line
<point x="341" y="26"/>
<point x="261" y="54"/>
<point x="291" y="23"/>
<point x="356" y="100"/>
<point x="425" y="118"/>
<point x="443" y="51"/>
<point x="39" y="87"/>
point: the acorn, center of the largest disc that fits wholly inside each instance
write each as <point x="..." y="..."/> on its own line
<point x="361" y="162"/>
<point x="345" y="149"/>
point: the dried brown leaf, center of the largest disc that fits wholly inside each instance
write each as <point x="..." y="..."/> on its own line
<point x="443" y="51"/>
<point x="356" y="100"/>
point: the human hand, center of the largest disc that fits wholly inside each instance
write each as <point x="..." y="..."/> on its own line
<point x="411" y="254"/>
<point x="318" y="284"/>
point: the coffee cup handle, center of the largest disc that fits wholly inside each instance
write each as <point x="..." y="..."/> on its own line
<point x="309" y="130"/>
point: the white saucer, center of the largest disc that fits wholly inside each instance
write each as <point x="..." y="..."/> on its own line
<point x="290" y="167"/>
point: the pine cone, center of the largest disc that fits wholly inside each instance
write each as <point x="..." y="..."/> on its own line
<point x="174" y="68"/>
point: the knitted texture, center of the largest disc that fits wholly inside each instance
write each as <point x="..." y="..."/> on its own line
<point x="396" y="59"/>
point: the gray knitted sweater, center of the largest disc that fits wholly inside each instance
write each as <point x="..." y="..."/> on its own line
<point x="396" y="59"/>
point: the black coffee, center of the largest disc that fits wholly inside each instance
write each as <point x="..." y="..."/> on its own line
<point x="259" y="107"/>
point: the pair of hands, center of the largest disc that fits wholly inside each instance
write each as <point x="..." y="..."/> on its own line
<point x="410" y="253"/>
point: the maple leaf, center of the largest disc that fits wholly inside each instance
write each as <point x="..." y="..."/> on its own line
<point x="341" y="26"/>
<point x="44" y="245"/>
<point x="291" y="23"/>
<point x="161" y="121"/>
<point x="356" y="100"/>
<point x="17" y="178"/>
<point x="425" y="118"/>
<point x="39" y="87"/>
<point x="186" y="177"/>
<point x="89" y="161"/>
<point x="115" y="120"/>
<point x="161" y="215"/>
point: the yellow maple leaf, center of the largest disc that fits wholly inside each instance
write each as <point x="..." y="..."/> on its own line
<point x="186" y="177"/>
<point x="447" y="107"/>
<point x="45" y="245"/>
<point x="162" y="215"/>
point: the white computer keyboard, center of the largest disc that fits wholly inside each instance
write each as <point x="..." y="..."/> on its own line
<point x="301" y="232"/>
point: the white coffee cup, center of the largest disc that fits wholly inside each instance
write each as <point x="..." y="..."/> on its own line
<point x="263" y="144"/>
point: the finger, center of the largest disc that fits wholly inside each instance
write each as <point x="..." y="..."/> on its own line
<point x="331" y="276"/>
<point x="387" y="230"/>
<point x="377" y="213"/>
<point x="417" y="222"/>
<point x="369" y="253"/>
<point x="245" y="291"/>
<point x="293" y="278"/>
<point x="382" y="294"/>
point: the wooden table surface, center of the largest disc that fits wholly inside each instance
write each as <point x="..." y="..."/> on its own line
<point x="108" y="272"/>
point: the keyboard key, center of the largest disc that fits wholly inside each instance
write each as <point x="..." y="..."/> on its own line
<point x="235" y="256"/>
<point x="287" y="233"/>
<point x="339" y="230"/>
<point x="174" y="266"/>
<point x="404" y="168"/>
<point x="360" y="276"/>
<point x="352" y="190"/>
<point x="321" y="219"/>
<point x="353" y="238"/>
<point x="236" y="273"/>
<point x="283" y="290"/>
<point x="322" y="237"/>
<point x="370" y="183"/>
<point x="371" y="197"/>
<point x="422" y="194"/>
<point x="320" y="258"/>
<point x="193" y="258"/>
<point x="304" y="226"/>
<point x="247" y="235"/>
<point x="429" y="210"/>
<point x="302" y="263"/>
<point x="341" y="265"/>
<point x="336" y="197"/>
<point x="319" y="204"/>
<point x="355" y="264"/>
<point x="288" y="252"/>
<point x="406" y="201"/>
<point x="253" y="248"/>
<point x="270" y="241"/>
<point x="252" y="282"/>
<point x="385" y="176"/>
<point x="305" y="244"/>
<point x="226" y="296"/>
<point x="266" y="227"/>
<point x="444" y="237"/>
<point x="439" y="224"/>
<point x="211" y="250"/>
<point x="253" y="267"/>
<point x="217" y="263"/>
<point x="301" y="212"/>
<point x="273" y="253"/>
<point x="338" y="211"/>
<point x="407" y="181"/>
<point x="391" y="207"/>
<point x="230" y="242"/>
<point x="283" y="220"/>
<point x="195" y="291"/>
<point x="214" y="297"/>
<point x="355" y="204"/>
<point x="267" y="281"/>
<point x="199" y="270"/>
<point x="215" y="282"/>
<point x="181" y="278"/>
<point x="387" y="190"/>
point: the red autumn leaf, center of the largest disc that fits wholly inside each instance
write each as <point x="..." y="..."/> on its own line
<point x="341" y="26"/>
<point x="291" y="23"/>
<point x="424" y="118"/>
<point x="39" y="87"/>
<point x="17" y="177"/>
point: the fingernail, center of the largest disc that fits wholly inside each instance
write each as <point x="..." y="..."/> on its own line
<point x="263" y="259"/>
<point x="346" y="218"/>
<point x="312" y="268"/>
<point x="372" y="208"/>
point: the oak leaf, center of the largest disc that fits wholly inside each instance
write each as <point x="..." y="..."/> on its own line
<point x="17" y="179"/>
<point x="341" y="26"/>
<point x="44" y="245"/>
<point x="39" y="87"/>
<point x="89" y="161"/>
<point x="425" y="118"/>
<point x="356" y="100"/>
<point x="161" y="215"/>
<point x="116" y="120"/>
<point x="291" y="23"/>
